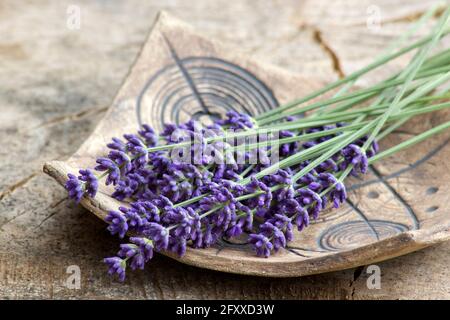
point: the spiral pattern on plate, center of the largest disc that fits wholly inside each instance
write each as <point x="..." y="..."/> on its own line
<point x="352" y="234"/>
<point x="206" y="87"/>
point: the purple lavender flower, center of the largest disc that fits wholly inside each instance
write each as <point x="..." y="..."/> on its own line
<point x="149" y="135"/>
<point x="187" y="221"/>
<point x="177" y="245"/>
<point x="261" y="244"/>
<point x="338" y="194"/>
<point x="197" y="239"/>
<point x="210" y="235"/>
<point x="145" y="246"/>
<point x="234" y="229"/>
<point x="90" y="182"/>
<point x="288" y="149"/>
<point x="125" y="189"/>
<point x="262" y="200"/>
<point x="105" y="164"/>
<point x="138" y="252"/>
<point x="74" y="187"/>
<point x="307" y="197"/>
<point x="153" y="182"/>
<point x="221" y="195"/>
<point x="134" y="220"/>
<point x="284" y="223"/>
<point x="159" y="235"/>
<point x="86" y="182"/>
<point x="116" y="265"/>
<point x="272" y="232"/>
<point x="301" y="219"/>
<point x="121" y="159"/>
<point x="117" y="144"/>
<point x="327" y="165"/>
<point x="354" y="155"/>
<point x="137" y="148"/>
<point x="118" y="223"/>
<point x="235" y="120"/>
<point x="246" y="216"/>
<point x="147" y="210"/>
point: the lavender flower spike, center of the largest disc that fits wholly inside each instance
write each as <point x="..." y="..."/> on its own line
<point x="261" y="244"/>
<point x="118" y="223"/>
<point x="86" y="182"/>
<point x="91" y="182"/>
<point x="159" y="234"/>
<point x="74" y="187"/>
<point x="116" y="265"/>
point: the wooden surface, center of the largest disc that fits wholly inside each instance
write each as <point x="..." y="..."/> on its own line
<point x="57" y="83"/>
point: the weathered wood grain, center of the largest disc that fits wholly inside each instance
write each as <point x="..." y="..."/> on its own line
<point x="50" y="108"/>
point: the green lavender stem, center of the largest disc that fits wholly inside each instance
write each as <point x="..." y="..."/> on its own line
<point x="381" y="61"/>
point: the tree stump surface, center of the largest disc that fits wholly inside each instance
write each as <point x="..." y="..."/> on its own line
<point x="57" y="84"/>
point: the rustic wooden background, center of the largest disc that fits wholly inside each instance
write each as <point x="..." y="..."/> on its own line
<point x="55" y="85"/>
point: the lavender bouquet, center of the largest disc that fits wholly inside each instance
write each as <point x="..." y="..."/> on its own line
<point x="260" y="177"/>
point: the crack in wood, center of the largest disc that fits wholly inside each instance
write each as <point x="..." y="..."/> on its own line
<point x="356" y="275"/>
<point x="414" y="16"/>
<point x="408" y="18"/>
<point x="12" y="219"/>
<point x="335" y="62"/>
<point x="10" y="189"/>
<point x="70" y="117"/>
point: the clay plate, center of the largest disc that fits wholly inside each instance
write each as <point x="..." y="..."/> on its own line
<point x="399" y="207"/>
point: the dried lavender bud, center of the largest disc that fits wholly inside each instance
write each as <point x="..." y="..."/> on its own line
<point x="307" y="197"/>
<point x="177" y="245"/>
<point x="149" y="135"/>
<point x="272" y="232"/>
<point x="118" y="223"/>
<point x="121" y="159"/>
<point x="261" y="244"/>
<point x="90" y="182"/>
<point x="302" y="219"/>
<point x="138" y="149"/>
<point x="235" y="121"/>
<point x="284" y="223"/>
<point x="138" y="252"/>
<point x="85" y="183"/>
<point x="125" y="188"/>
<point x="159" y="235"/>
<point x="354" y="155"/>
<point x="262" y="200"/>
<point x="74" y="187"/>
<point x="116" y="265"/>
<point x="105" y="164"/>
<point x="117" y="144"/>
<point x="338" y="194"/>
